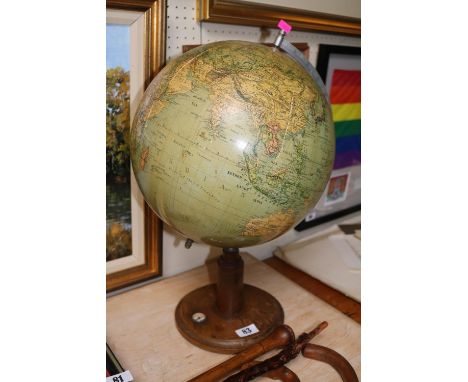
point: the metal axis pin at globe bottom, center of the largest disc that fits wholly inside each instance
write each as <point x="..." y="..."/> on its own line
<point x="232" y="144"/>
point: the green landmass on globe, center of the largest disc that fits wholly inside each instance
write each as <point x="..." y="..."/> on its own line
<point x="232" y="144"/>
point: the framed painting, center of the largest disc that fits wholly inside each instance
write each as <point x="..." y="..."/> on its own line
<point x="135" y="52"/>
<point x="340" y="69"/>
<point x="339" y="17"/>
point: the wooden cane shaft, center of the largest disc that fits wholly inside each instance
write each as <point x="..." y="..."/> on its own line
<point x="280" y="337"/>
<point x="290" y="352"/>
<point x="334" y="359"/>
<point x="282" y="373"/>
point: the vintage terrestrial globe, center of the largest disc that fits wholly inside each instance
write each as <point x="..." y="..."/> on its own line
<point x="232" y="144"/>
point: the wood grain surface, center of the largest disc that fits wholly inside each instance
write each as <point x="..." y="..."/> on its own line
<point x="141" y="328"/>
<point x="333" y="297"/>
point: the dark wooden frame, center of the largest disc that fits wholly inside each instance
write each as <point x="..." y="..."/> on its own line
<point x="331" y="296"/>
<point x="250" y="13"/>
<point x="155" y="56"/>
<point x="323" y="59"/>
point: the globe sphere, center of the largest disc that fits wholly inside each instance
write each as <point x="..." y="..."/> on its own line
<point x="232" y="144"/>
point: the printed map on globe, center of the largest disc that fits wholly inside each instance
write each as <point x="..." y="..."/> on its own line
<point x="232" y="144"/>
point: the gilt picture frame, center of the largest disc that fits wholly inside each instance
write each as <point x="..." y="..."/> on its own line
<point x="267" y="14"/>
<point x="146" y="24"/>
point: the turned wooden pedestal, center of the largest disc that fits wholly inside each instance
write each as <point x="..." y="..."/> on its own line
<point x="209" y="316"/>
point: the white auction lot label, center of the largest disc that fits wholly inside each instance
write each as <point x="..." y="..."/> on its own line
<point x="247" y="330"/>
<point x="126" y="376"/>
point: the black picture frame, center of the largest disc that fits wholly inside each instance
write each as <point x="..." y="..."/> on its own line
<point x="113" y="366"/>
<point x="323" y="59"/>
<point x="324" y="53"/>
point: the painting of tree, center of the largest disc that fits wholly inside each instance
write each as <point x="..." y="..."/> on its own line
<point x="118" y="192"/>
<point x="117" y="124"/>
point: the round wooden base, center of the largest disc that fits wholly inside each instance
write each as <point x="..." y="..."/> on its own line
<point x="217" y="333"/>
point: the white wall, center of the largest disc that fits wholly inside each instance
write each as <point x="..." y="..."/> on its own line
<point x="183" y="29"/>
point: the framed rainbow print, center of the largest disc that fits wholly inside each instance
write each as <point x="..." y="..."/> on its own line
<point x="340" y="69"/>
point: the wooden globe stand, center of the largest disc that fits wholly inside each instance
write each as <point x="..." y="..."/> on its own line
<point x="209" y="316"/>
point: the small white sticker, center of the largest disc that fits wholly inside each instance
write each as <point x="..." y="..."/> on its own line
<point x="247" y="331"/>
<point x="126" y="376"/>
<point x="310" y="216"/>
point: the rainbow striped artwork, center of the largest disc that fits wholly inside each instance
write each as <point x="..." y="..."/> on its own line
<point x="345" y="99"/>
